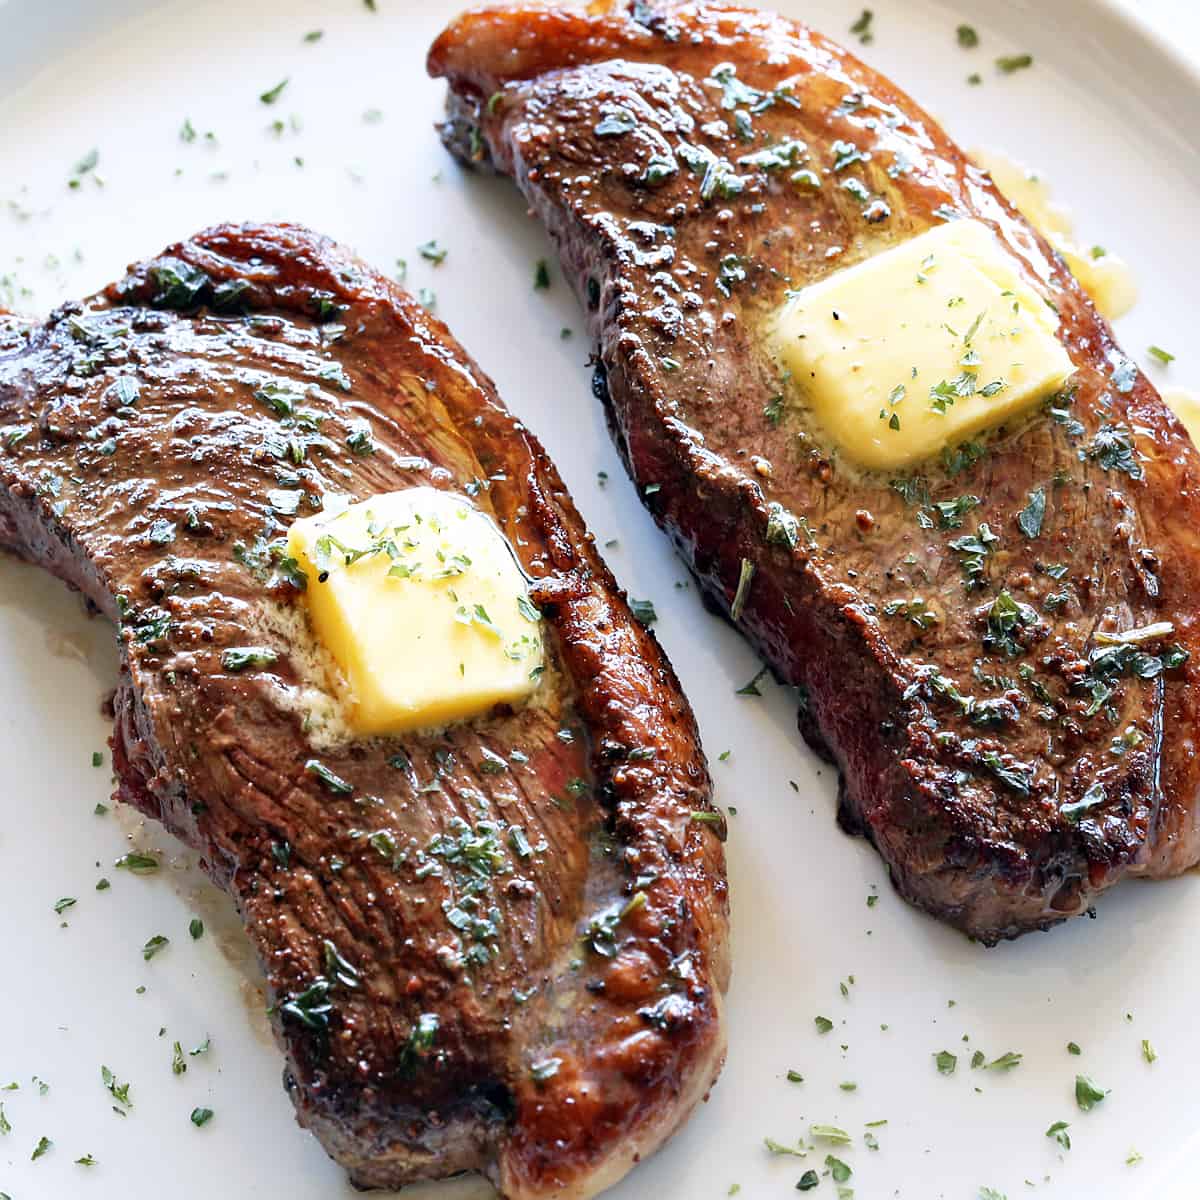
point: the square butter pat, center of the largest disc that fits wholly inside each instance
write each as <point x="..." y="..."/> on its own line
<point x="922" y="346"/>
<point x="418" y="597"/>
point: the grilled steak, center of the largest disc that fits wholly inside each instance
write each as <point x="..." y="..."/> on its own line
<point x="1008" y="758"/>
<point x="500" y="947"/>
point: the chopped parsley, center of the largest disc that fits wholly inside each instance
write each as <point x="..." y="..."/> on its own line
<point x="823" y="1024"/>
<point x="751" y="688"/>
<point x="201" y="1116"/>
<point x="862" y="27"/>
<point x="1006" y="1062"/>
<point x="774" y="1147"/>
<point x="914" y="610"/>
<point x="1030" y="518"/>
<point x="238" y="658"/>
<point x="1112" y="449"/>
<point x="782" y="526"/>
<point x="333" y="783"/>
<point x="950" y="513"/>
<point x="968" y="37"/>
<point x="838" y="1169"/>
<point x="745" y="578"/>
<point x="946" y="1062"/>
<point x="118" y="1090"/>
<point x="830" y="1133"/>
<point x="974" y="549"/>
<point x="156" y="945"/>
<point x="271" y="95"/>
<point x="643" y="611"/>
<point x="1004" y="619"/>
<point x="432" y="252"/>
<point x="1088" y="1093"/>
<point x="1058" y="1131"/>
<point x="1008" y="63"/>
<point x="139" y="864"/>
<point x="43" y="1147"/>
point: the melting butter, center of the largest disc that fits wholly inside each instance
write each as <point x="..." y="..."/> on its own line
<point x="920" y="346"/>
<point x="1105" y="276"/>
<point x="1185" y="404"/>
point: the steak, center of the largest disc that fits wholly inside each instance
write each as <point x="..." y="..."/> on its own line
<point x="1034" y="741"/>
<point x="500" y="947"/>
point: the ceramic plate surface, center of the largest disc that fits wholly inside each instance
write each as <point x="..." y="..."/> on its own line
<point x="1103" y="112"/>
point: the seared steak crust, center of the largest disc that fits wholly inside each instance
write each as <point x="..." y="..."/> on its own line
<point x="499" y="947"/>
<point x="1006" y="760"/>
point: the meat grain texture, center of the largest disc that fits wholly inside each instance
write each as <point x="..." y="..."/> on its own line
<point x="693" y="162"/>
<point x="496" y="947"/>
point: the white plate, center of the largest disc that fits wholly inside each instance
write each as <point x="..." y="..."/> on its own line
<point x="1104" y="110"/>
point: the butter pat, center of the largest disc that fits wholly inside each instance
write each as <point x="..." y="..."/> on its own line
<point x="922" y="346"/>
<point x="418" y="597"/>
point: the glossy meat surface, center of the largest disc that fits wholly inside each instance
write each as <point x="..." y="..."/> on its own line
<point x="498" y="947"/>
<point x="951" y="627"/>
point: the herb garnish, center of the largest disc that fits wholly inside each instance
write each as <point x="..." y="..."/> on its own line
<point x="273" y="94"/>
<point x="1031" y="517"/>
<point x="238" y="658"/>
<point x="838" y="1169"/>
<point x="119" y="1091"/>
<point x="643" y="611"/>
<point x="1112" y="448"/>
<point x="1058" y="1131"/>
<point x="311" y="1007"/>
<point x="1009" y="63"/>
<point x="782" y="526"/>
<point x="745" y="578"/>
<point x="201" y="1116"/>
<point x="432" y="252"/>
<point x="1004" y="619"/>
<point x="974" y="549"/>
<point x="951" y="512"/>
<point x="914" y="610"/>
<point x="1088" y="1093"/>
<point x="751" y="688"/>
<point x="139" y="864"/>
<point x="862" y="27"/>
<point x="967" y="36"/>
<point x="1006" y="1062"/>
<point x="154" y="946"/>
<point x="334" y="783"/>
